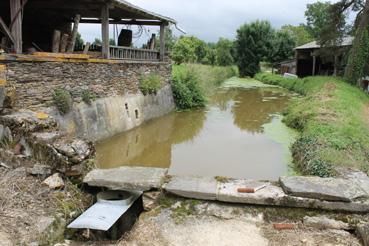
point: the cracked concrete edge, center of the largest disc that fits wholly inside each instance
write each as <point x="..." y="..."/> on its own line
<point x="273" y="195"/>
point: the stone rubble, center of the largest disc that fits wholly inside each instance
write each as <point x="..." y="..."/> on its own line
<point x="322" y="222"/>
<point x="55" y="181"/>
<point x="362" y="231"/>
<point x="39" y="170"/>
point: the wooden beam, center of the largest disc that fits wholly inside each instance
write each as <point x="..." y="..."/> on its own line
<point x="72" y="41"/>
<point x="6" y="30"/>
<point x="124" y="22"/>
<point x="105" y="31"/>
<point x="16" y="29"/>
<point x="56" y="42"/>
<point x="162" y="42"/>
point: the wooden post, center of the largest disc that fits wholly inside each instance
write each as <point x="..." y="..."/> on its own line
<point x="87" y="47"/>
<point x="72" y="41"/>
<point x="314" y="64"/>
<point x="16" y="29"/>
<point x="64" y="43"/>
<point x="335" y="65"/>
<point x="152" y="41"/>
<point x="297" y="62"/>
<point x="3" y="42"/>
<point x="105" y="31"/>
<point x="56" y="42"/>
<point x="162" y="42"/>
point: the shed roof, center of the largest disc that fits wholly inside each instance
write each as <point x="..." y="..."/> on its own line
<point x="346" y="41"/>
<point x="140" y="11"/>
<point x="67" y="9"/>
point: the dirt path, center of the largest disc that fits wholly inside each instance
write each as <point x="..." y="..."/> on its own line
<point x="226" y="225"/>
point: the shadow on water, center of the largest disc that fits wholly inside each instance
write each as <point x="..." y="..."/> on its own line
<point x="235" y="136"/>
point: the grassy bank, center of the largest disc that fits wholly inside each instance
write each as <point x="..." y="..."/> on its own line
<point x="333" y="119"/>
<point x="193" y="83"/>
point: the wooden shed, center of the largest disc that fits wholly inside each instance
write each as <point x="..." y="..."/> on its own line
<point x="312" y="60"/>
<point x="39" y="23"/>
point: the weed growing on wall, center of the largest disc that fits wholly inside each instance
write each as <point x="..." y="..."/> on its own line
<point x="62" y="100"/>
<point x="88" y="96"/>
<point x="150" y="84"/>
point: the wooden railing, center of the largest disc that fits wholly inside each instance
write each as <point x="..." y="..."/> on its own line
<point x="127" y="53"/>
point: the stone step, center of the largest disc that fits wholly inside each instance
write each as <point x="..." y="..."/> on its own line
<point x="270" y="195"/>
<point x="127" y="178"/>
<point x="329" y="189"/>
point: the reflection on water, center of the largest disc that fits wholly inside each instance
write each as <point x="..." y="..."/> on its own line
<point x="226" y="139"/>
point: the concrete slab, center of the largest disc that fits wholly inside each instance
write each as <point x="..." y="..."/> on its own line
<point x="270" y="195"/>
<point x="193" y="187"/>
<point x="328" y="189"/>
<point x="127" y="178"/>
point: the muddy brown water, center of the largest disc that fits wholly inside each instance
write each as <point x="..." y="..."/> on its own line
<point x="239" y="135"/>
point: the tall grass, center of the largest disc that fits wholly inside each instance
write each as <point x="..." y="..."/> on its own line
<point x="193" y="83"/>
<point x="331" y="117"/>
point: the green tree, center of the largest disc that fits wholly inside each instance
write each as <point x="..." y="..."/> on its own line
<point x="79" y="40"/>
<point x="252" y="45"/>
<point x="282" y="45"/>
<point x="299" y="34"/>
<point x="112" y="42"/>
<point x="97" y="41"/>
<point x="317" y="15"/>
<point x="336" y="28"/>
<point x="184" y="50"/>
<point x="224" y="52"/>
<point x="189" y="49"/>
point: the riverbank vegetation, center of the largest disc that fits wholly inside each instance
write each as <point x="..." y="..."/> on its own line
<point x="193" y="83"/>
<point x="333" y="118"/>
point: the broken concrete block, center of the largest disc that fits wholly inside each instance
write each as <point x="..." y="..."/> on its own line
<point x="55" y="181"/>
<point x="322" y="222"/>
<point x="329" y="189"/>
<point x="193" y="187"/>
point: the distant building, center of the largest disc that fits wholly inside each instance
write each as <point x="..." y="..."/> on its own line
<point x="311" y="59"/>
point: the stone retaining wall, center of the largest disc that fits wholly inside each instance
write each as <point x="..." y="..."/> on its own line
<point x="33" y="83"/>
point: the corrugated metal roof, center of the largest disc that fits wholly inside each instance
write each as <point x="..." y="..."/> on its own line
<point x="346" y="41"/>
<point x="146" y="13"/>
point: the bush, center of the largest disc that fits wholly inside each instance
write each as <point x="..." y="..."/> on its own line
<point x="193" y="83"/>
<point x="88" y="96"/>
<point x="62" y="100"/>
<point x="187" y="91"/>
<point x="150" y="84"/>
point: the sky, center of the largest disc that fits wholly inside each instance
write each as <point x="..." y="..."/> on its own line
<point x="211" y="19"/>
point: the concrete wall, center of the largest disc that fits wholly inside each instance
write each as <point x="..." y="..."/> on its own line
<point x="109" y="116"/>
<point x="120" y="106"/>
